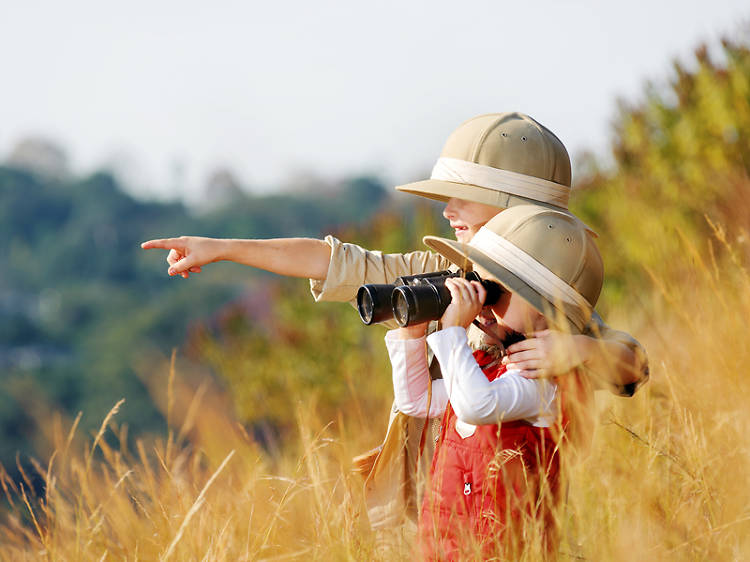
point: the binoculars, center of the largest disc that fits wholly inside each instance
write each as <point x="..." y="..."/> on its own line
<point x="412" y="299"/>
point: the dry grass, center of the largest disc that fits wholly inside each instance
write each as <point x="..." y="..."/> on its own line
<point x="666" y="478"/>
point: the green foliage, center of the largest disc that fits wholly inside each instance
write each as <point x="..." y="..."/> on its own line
<point x="309" y="213"/>
<point x="681" y="154"/>
<point x="296" y="351"/>
<point x="81" y="304"/>
<point x="276" y="348"/>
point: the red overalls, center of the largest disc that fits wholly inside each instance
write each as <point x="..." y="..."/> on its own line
<point x="484" y="484"/>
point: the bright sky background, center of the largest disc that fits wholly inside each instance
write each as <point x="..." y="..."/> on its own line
<point x="280" y="88"/>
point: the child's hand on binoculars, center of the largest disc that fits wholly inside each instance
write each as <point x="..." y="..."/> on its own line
<point x="467" y="300"/>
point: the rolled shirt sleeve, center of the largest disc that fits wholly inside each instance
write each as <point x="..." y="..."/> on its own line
<point x="598" y="329"/>
<point x="478" y="401"/>
<point x="352" y="266"/>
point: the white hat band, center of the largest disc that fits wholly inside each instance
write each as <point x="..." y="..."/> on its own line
<point x="538" y="189"/>
<point x="529" y="270"/>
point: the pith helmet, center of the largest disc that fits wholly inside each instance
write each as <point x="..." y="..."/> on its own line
<point x="546" y="256"/>
<point x="500" y="159"/>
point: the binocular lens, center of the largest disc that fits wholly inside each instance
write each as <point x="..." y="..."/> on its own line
<point x="420" y="303"/>
<point x="365" y="307"/>
<point x="400" y="308"/>
<point x="415" y="299"/>
<point x="374" y="303"/>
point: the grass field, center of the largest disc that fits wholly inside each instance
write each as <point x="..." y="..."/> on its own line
<point x="666" y="477"/>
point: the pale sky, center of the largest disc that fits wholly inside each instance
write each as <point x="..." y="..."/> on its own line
<point x="280" y="88"/>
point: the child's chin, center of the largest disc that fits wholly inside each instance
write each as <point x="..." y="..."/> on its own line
<point x="496" y="330"/>
<point x="504" y="335"/>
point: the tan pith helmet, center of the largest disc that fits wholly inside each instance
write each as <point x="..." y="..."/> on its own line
<point x="500" y="159"/>
<point x="546" y="256"/>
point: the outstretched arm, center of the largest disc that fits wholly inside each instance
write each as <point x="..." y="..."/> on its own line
<point x="294" y="257"/>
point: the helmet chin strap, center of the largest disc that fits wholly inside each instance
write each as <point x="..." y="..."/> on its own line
<point x="479" y="325"/>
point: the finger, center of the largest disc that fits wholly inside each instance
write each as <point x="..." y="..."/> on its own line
<point x="164" y="244"/>
<point x="456" y="289"/>
<point x="473" y="288"/>
<point x="472" y="299"/>
<point x="544" y="333"/>
<point x="196" y="269"/>
<point x="525" y="365"/>
<point x="458" y="282"/>
<point x="535" y="374"/>
<point x="452" y="288"/>
<point x="481" y="292"/>
<point x="524" y="355"/>
<point x="183" y="265"/>
<point x="174" y="256"/>
<point x="523" y="345"/>
<point x="467" y="291"/>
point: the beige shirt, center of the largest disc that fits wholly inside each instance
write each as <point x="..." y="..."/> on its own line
<point x="352" y="266"/>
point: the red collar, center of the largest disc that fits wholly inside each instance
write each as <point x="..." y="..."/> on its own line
<point x="490" y="364"/>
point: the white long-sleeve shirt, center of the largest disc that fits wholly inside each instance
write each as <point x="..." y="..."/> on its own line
<point x="474" y="399"/>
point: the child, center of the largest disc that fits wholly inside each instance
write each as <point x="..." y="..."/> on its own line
<point x="496" y="459"/>
<point x="489" y="163"/>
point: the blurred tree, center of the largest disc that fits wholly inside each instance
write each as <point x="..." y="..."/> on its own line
<point x="275" y="346"/>
<point x="681" y="153"/>
<point x="222" y="189"/>
<point x="41" y="156"/>
<point x="81" y="304"/>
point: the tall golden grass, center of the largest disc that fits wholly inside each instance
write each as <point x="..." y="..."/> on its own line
<point x="667" y="477"/>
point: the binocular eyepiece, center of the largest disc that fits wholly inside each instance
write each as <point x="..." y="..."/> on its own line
<point x="412" y="299"/>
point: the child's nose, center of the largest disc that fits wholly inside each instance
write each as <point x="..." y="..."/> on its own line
<point x="450" y="209"/>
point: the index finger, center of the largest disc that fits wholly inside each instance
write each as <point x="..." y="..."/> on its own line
<point x="454" y="286"/>
<point x="545" y="333"/>
<point x="164" y="244"/>
<point x="522" y="345"/>
<point x="480" y="291"/>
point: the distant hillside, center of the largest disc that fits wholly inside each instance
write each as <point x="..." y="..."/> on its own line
<point x="81" y="303"/>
